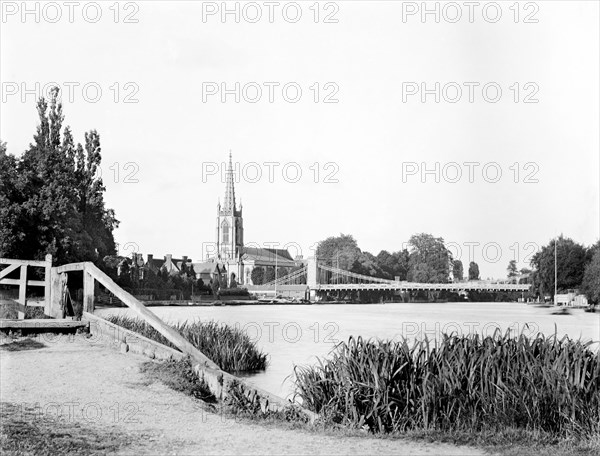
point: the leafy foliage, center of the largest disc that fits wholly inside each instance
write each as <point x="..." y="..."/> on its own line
<point x="511" y="270"/>
<point x="457" y="270"/>
<point x="258" y="276"/>
<point x="343" y="252"/>
<point x="570" y="260"/>
<point x="393" y="264"/>
<point x="473" y="271"/>
<point x="340" y="251"/>
<point x="429" y="260"/>
<point x="51" y="198"/>
<point x="591" y="278"/>
<point x="269" y="275"/>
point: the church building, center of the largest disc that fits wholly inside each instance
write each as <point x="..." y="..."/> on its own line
<point x="239" y="260"/>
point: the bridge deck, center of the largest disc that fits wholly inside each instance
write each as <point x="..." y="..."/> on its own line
<point x="411" y="286"/>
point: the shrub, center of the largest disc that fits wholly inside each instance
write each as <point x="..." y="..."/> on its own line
<point x="234" y="292"/>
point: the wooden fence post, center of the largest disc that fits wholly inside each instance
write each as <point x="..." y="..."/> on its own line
<point x="22" y="291"/>
<point x="48" y="286"/>
<point x="88" y="292"/>
<point x="55" y="294"/>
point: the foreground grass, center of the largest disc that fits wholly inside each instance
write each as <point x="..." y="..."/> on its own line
<point x="22" y="345"/>
<point x="461" y="384"/>
<point x="23" y="431"/>
<point x="512" y="442"/>
<point x="179" y="376"/>
<point x="507" y="442"/>
<point x="231" y="349"/>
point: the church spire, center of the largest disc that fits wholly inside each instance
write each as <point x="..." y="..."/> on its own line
<point x="229" y="203"/>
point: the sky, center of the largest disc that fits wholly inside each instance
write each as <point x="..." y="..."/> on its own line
<point x="365" y="118"/>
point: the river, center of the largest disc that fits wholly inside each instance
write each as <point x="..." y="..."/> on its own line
<point x="297" y="334"/>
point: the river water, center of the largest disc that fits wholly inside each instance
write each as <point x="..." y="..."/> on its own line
<point x="297" y="334"/>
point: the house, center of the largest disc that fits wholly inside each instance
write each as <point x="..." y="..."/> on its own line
<point x="571" y="298"/>
<point x="170" y="265"/>
<point x="208" y="271"/>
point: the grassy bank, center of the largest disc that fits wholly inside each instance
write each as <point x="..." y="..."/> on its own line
<point x="507" y="442"/>
<point x="462" y="384"/>
<point x="230" y="348"/>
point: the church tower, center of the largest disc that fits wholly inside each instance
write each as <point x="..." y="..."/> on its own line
<point x="230" y="224"/>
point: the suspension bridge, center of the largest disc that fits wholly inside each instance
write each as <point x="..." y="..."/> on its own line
<point x="317" y="277"/>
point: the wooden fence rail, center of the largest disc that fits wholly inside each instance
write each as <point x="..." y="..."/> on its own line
<point x="23" y="282"/>
<point x="91" y="273"/>
<point x="219" y="382"/>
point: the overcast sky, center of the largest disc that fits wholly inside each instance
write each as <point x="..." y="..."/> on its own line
<point x="366" y="152"/>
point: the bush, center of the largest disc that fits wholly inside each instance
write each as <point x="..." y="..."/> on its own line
<point x="234" y="292"/>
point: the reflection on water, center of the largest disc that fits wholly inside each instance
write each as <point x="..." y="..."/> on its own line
<point x="297" y="334"/>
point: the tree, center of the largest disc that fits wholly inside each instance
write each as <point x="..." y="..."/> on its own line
<point x="473" y="271"/>
<point x="269" y="274"/>
<point x="302" y="278"/>
<point x="429" y="260"/>
<point x="590" y="285"/>
<point x="457" y="270"/>
<point x="339" y="251"/>
<point x="257" y="276"/>
<point x="215" y="286"/>
<point x="282" y="272"/>
<point x="394" y="264"/>
<point x="11" y="211"/>
<point x="511" y="270"/>
<point x="367" y="264"/>
<point x="52" y="200"/>
<point x="570" y="261"/>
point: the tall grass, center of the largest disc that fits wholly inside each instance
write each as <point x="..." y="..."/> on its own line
<point x="459" y="383"/>
<point x="230" y="348"/>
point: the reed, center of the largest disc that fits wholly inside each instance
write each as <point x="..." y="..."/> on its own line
<point x="459" y="383"/>
<point x="230" y="348"/>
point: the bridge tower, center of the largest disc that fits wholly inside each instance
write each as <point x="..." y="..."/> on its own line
<point x="311" y="277"/>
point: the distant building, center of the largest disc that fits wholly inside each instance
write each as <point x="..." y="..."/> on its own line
<point x="571" y="298"/>
<point x="238" y="260"/>
<point x="233" y="260"/>
<point x="208" y="271"/>
<point x="169" y="265"/>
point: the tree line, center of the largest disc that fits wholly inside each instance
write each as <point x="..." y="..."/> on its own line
<point x="428" y="260"/>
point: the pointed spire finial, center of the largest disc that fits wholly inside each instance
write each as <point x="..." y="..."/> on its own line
<point x="229" y="204"/>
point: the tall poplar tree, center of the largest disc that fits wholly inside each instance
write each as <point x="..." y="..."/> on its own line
<point x="52" y="198"/>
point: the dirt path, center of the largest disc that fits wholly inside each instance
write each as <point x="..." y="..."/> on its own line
<point x="93" y="384"/>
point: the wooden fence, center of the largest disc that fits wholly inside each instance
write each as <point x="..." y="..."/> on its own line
<point x="24" y="281"/>
<point x="54" y="284"/>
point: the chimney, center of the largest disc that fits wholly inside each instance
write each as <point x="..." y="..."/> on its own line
<point x="184" y="259"/>
<point x="150" y="257"/>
